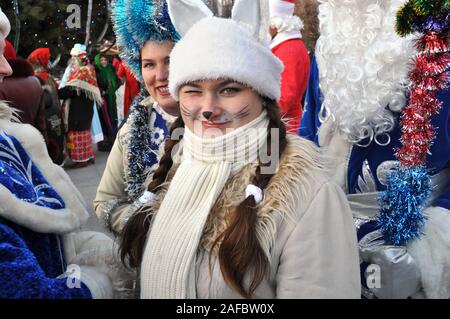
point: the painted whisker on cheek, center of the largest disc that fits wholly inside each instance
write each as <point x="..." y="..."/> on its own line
<point x="187" y="113"/>
<point x="242" y="113"/>
<point x="222" y="118"/>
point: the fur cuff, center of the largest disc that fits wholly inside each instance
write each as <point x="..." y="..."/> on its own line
<point x="38" y="218"/>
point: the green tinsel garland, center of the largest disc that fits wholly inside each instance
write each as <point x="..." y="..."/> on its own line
<point x="416" y="9"/>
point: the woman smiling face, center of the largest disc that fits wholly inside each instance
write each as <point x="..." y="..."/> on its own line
<point x="155" y="60"/>
<point x="212" y="106"/>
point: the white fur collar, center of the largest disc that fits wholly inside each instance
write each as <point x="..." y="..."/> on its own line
<point x="36" y="218"/>
<point x="301" y="166"/>
<point x="284" y="36"/>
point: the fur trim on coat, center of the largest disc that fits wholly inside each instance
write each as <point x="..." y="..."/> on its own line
<point x="43" y="219"/>
<point x="95" y="249"/>
<point x="8" y="113"/>
<point x="299" y="162"/>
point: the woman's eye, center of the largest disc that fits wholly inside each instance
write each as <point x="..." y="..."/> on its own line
<point x="230" y="91"/>
<point x="149" y="65"/>
<point x="191" y="91"/>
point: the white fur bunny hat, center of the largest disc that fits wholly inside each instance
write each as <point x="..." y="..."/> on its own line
<point x="217" y="48"/>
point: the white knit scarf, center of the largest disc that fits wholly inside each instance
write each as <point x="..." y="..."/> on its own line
<point x="168" y="264"/>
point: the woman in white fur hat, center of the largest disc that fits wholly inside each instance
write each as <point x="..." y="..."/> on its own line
<point x="237" y="208"/>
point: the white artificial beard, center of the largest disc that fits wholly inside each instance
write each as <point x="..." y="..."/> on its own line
<point x="363" y="66"/>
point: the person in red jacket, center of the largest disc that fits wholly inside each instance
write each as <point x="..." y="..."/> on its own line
<point x="288" y="46"/>
<point x="132" y="87"/>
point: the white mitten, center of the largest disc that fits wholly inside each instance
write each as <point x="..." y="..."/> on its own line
<point x="98" y="250"/>
<point x="98" y="283"/>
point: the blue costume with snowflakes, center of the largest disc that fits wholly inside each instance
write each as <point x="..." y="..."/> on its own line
<point x="30" y="261"/>
<point x="366" y="166"/>
<point x="44" y="253"/>
<point x="136" y="22"/>
<point x="133" y="158"/>
<point x="149" y="128"/>
<point x="373" y="154"/>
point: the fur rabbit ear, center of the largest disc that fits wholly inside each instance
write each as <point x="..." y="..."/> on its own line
<point x="185" y="13"/>
<point x="253" y="14"/>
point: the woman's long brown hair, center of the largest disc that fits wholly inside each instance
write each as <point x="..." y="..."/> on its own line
<point x="239" y="250"/>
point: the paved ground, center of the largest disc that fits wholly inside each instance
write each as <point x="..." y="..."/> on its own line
<point x="87" y="179"/>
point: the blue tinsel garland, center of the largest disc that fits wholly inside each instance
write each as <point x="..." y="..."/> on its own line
<point x="130" y="50"/>
<point x="408" y="188"/>
<point x="427" y="24"/>
<point x="136" y="22"/>
<point x="401" y="217"/>
<point x="138" y="147"/>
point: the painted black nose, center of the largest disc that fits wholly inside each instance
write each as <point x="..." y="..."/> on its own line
<point x="207" y="115"/>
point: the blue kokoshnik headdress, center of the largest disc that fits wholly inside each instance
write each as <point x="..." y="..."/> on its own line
<point x="136" y="22"/>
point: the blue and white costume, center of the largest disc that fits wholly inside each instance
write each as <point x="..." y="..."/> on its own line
<point x="135" y="151"/>
<point x="133" y="157"/>
<point x="43" y="254"/>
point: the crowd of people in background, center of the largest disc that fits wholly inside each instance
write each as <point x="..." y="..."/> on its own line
<point x="70" y="122"/>
<point x="67" y="119"/>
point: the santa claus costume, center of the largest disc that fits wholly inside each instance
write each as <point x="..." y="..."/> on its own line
<point x="378" y="104"/>
<point x="288" y="46"/>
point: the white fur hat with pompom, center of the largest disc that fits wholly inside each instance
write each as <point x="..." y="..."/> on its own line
<point x="281" y="8"/>
<point x="214" y="48"/>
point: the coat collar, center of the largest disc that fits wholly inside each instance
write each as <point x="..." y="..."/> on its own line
<point x="38" y="218"/>
<point x="290" y="186"/>
<point x="284" y="36"/>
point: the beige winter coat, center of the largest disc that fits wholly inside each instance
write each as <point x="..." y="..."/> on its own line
<point x="111" y="202"/>
<point x="304" y="224"/>
<point x="111" y="195"/>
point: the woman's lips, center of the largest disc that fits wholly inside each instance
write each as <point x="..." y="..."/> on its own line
<point x="207" y="124"/>
<point x="163" y="91"/>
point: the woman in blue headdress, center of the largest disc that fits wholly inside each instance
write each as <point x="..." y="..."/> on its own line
<point x="146" y="37"/>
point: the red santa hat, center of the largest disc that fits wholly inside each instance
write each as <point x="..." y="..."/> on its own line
<point x="281" y="8"/>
